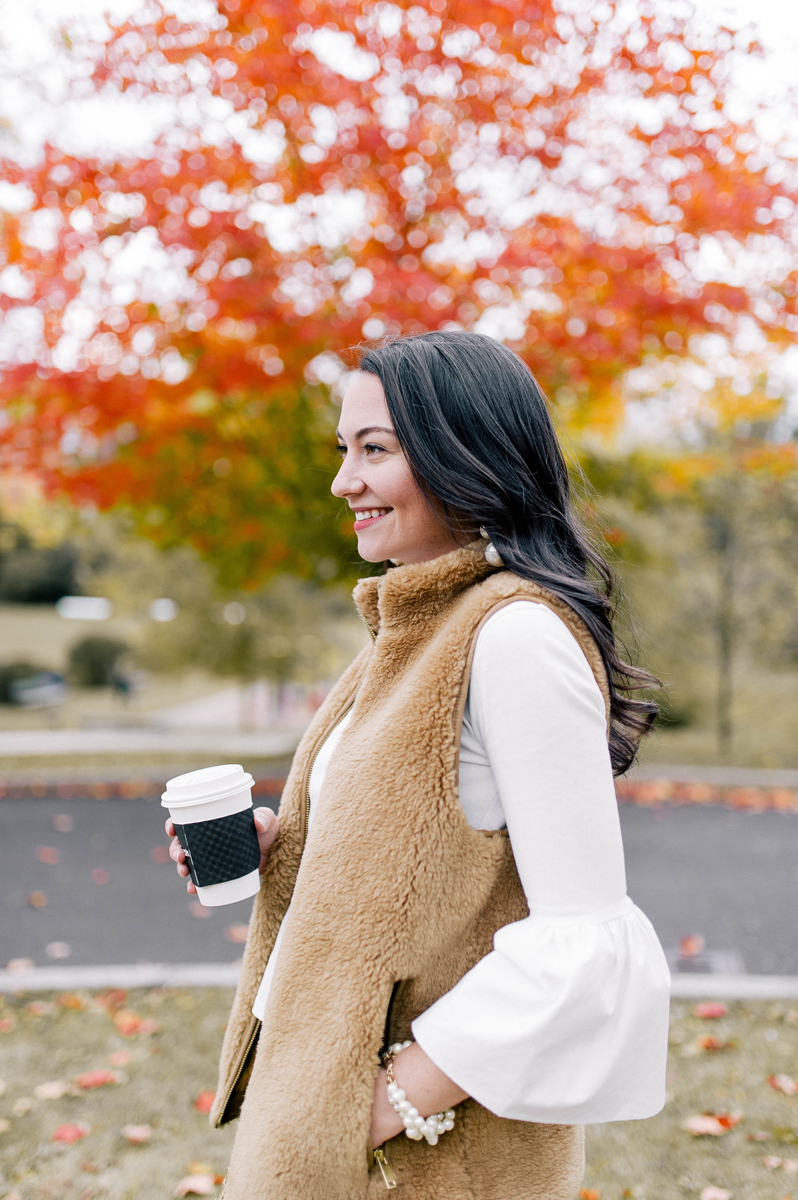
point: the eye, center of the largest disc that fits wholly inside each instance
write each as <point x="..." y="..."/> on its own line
<point x="340" y="449"/>
<point x="372" y="448"/>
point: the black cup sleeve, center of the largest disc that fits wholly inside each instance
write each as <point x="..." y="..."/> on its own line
<point x="221" y="850"/>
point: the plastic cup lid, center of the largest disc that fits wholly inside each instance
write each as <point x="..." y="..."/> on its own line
<point x="210" y="783"/>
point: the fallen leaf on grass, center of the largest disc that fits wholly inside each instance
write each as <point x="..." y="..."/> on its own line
<point x="790" y="1165"/>
<point x="22" y="1106"/>
<point x="71" y="1133"/>
<point x="758" y="1136"/>
<point x="770" y="1163"/>
<point x="41" y="1008"/>
<point x="110" y="1000"/>
<point x="196" y="1185"/>
<point x="95" y="1079"/>
<point x="204" y="1102"/>
<point x="783" y="1083"/>
<point x="7" y="1024"/>
<point x="711" y="1124"/>
<point x="136" y="1134"/>
<point x="51" y="1091"/>
<point x="589" y="1194"/>
<point x="710" y="1010"/>
<point x="129" y="1023"/>
<point x="71" y="1000"/>
<point x="713" y="1044"/>
<point x="4" y="1125"/>
<point x="715" y="1193"/>
<point x="120" y="1058"/>
<point x="89" y="1167"/>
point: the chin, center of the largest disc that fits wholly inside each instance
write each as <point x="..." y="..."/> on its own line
<point x="375" y="554"/>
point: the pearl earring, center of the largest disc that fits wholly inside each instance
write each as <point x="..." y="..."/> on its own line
<point x="492" y="555"/>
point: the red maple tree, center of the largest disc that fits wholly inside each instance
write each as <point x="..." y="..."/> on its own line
<point x="336" y="169"/>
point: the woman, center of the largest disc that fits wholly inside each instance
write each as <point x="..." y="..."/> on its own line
<point x="447" y="894"/>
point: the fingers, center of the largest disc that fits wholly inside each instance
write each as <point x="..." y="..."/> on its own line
<point x="267" y="827"/>
<point x="177" y="854"/>
<point x="169" y="827"/>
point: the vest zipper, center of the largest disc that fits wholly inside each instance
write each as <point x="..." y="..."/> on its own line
<point x="386" y="1170"/>
<point x="241" y="1065"/>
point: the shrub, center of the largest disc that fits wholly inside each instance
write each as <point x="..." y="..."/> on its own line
<point x="32" y="575"/>
<point x="93" y="660"/>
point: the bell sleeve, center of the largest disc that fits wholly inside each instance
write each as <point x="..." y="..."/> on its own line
<point x="566" y="1019"/>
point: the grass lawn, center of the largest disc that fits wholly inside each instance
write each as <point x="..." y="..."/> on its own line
<point x="163" y="1065"/>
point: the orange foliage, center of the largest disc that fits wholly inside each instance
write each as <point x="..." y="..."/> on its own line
<point x="490" y="163"/>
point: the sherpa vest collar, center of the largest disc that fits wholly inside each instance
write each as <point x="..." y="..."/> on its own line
<point x="393" y="898"/>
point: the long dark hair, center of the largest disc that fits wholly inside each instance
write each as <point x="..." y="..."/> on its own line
<point x="478" y="436"/>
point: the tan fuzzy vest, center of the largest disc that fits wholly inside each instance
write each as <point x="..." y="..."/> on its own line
<point x="393" y="898"/>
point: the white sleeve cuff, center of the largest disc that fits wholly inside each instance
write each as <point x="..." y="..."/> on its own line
<point x="564" y="1022"/>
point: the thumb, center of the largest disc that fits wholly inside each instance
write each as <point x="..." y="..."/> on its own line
<point x="267" y="826"/>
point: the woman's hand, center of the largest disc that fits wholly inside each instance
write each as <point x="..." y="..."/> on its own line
<point x="426" y="1086"/>
<point x="266" y="825"/>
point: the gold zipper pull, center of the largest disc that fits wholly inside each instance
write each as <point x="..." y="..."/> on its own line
<point x="385" y="1169"/>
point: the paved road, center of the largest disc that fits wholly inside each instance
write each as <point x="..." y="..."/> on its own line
<point x="732" y="877"/>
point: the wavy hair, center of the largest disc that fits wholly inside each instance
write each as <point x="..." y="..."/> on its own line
<point x="477" y="433"/>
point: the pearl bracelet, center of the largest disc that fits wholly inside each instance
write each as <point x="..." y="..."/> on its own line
<point x="416" y="1127"/>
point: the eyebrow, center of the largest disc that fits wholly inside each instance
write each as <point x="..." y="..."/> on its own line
<point x="369" y="429"/>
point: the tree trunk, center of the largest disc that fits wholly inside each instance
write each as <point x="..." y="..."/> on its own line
<point x="724" y="629"/>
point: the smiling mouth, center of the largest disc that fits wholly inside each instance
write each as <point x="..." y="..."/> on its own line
<point x="364" y="517"/>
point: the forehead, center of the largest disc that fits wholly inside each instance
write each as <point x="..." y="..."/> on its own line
<point x="364" y="403"/>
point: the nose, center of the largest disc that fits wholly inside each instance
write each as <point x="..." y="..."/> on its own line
<point x="346" y="482"/>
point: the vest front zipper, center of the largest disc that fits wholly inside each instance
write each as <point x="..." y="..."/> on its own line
<point x="241" y="1065"/>
<point x="386" y="1169"/>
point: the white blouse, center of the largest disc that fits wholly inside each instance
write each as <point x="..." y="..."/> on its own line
<point x="566" y="1020"/>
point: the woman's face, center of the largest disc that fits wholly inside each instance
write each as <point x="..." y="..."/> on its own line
<point x="393" y="519"/>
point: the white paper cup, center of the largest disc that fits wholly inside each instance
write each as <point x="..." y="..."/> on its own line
<point x="212" y="814"/>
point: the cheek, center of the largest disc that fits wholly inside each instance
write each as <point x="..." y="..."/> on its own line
<point x="399" y="489"/>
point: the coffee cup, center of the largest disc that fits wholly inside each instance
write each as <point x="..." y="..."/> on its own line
<point x="211" y="810"/>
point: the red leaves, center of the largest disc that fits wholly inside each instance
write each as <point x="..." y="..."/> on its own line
<point x="129" y="1023"/>
<point x="711" y="1124"/>
<point x="71" y="1133"/>
<point x="48" y="854"/>
<point x="710" y="1010"/>
<point x="204" y="1102"/>
<point x="713" y="1044"/>
<point x="96" y="1079"/>
<point x="256" y="316"/>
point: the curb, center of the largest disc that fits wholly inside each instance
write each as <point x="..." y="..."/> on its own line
<point x="133" y="975"/>
<point x="146" y="975"/>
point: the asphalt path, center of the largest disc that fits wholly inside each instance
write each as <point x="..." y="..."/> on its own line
<point x="85" y="882"/>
